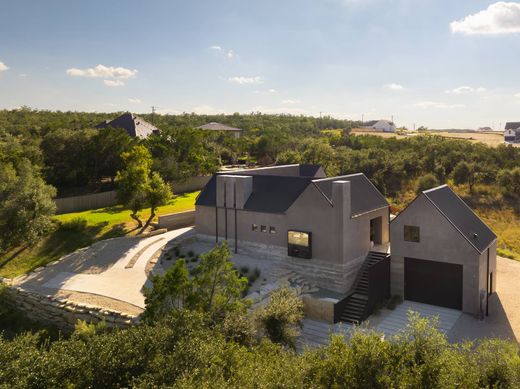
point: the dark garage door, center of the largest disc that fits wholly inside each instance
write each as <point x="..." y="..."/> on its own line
<point x="432" y="282"/>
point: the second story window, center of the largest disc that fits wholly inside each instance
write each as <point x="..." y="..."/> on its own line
<point x="263" y="228"/>
<point x="272" y="230"/>
<point x="254" y="227"/>
<point x="412" y="234"/>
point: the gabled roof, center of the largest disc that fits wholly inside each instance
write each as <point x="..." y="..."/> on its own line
<point x="132" y="124"/>
<point x="218" y="127"/>
<point x="271" y="194"/>
<point x="460" y="215"/>
<point x="276" y="193"/>
<point x="364" y="195"/>
<point x="512" y="125"/>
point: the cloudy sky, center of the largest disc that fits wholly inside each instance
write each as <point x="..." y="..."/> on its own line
<point x="439" y="63"/>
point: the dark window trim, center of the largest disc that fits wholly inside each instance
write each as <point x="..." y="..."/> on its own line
<point x="412" y="234"/>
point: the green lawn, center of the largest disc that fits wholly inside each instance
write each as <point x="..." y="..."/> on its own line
<point x="80" y="229"/>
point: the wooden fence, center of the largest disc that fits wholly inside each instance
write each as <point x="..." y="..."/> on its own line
<point x="107" y="199"/>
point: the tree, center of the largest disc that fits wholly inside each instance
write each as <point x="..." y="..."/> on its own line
<point x="108" y="146"/>
<point x="214" y="288"/>
<point x="26" y="205"/>
<point x="139" y="187"/>
<point x="133" y="180"/>
<point x="465" y="173"/>
<point x="427" y="181"/>
<point x="281" y="317"/>
<point x="509" y="181"/>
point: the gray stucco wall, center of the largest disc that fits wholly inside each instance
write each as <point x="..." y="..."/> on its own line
<point x="441" y="242"/>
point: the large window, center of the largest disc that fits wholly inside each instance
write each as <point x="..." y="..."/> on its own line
<point x="412" y="234"/>
<point x="299" y="244"/>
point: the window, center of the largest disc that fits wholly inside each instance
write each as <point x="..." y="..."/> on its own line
<point x="412" y="234"/>
<point x="272" y="230"/>
<point x="254" y="227"/>
<point x="263" y="228"/>
<point x="299" y="244"/>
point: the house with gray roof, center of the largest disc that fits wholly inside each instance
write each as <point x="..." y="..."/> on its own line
<point x="322" y="228"/>
<point x="134" y="125"/>
<point x="219" y="127"/>
<point x="443" y="253"/>
<point x="336" y="233"/>
<point x="512" y="132"/>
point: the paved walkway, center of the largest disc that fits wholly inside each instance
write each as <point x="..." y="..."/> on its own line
<point x="315" y="333"/>
<point x="123" y="278"/>
<point x="397" y="319"/>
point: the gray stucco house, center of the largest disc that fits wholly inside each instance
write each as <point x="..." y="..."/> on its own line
<point x="321" y="227"/>
<point x="336" y="232"/>
<point x="134" y="125"/>
<point x="442" y="253"/>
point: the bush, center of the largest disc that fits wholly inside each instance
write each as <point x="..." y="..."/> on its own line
<point x="427" y="181"/>
<point x="191" y="254"/>
<point x="281" y="317"/>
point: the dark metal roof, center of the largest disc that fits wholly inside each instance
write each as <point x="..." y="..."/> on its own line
<point x="132" y="124"/>
<point x="460" y="215"/>
<point x="218" y="127"/>
<point x="364" y="195"/>
<point x="512" y="125"/>
<point x="311" y="171"/>
<point x="271" y="194"/>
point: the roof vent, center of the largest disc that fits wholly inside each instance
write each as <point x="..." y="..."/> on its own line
<point x="475" y="236"/>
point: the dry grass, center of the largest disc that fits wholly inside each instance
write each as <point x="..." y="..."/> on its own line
<point x="490" y="139"/>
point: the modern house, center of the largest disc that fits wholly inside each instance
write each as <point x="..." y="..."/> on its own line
<point x="213" y="126"/>
<point x="442" y="253"/>
<point x="512" y="132"/>
<point x="132" y="124"/>
<point x="335" y="232"/>
<point x="320" y="227"/>
<point x="380" y="125"/>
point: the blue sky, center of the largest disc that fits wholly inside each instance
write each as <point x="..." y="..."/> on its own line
<point x="442" y="64"/>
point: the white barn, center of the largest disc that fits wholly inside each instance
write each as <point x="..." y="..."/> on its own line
<point x="382" y="125"/>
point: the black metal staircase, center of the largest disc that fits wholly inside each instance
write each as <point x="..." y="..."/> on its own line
<point x="356" y="306"/>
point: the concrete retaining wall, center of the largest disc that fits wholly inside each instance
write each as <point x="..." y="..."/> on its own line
<point x="63" y="314"/>
<point x="109" y="198"/>
<point x="177" y="220"/>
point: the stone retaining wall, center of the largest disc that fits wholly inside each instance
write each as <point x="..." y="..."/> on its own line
<point x="174" y="221"/>
<point x="61" y="313"/>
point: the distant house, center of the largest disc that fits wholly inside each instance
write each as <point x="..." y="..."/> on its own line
<point x="213" y="126"/>
<point x="132" y="124"/>
<point x="512" y="132"/>
<point x="381" y="125"/>
<point x="486" y="129"/>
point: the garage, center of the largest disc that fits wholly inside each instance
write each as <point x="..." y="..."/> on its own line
<point x="432" y="282"/>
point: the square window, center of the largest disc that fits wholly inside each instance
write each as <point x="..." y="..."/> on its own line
<point x="263" y="228"/>
<point x="412" y="234"/>
<point x="272" y="230"/>
<point x="254" y="227"/>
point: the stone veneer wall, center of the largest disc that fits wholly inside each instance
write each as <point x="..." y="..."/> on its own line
<point x="61" y="313"/>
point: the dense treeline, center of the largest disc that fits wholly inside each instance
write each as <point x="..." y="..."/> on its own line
<point x="198" y="333"/>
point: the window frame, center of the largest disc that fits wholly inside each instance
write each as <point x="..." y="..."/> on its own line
<point x="411" y="234"/>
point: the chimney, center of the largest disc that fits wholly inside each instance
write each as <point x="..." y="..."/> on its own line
<point x="341" y="197"/>
<point x="233" y="190"/>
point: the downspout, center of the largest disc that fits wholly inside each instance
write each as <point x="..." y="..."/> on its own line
<point x="216" y="222"/>
<point x="225" y="210"/>
<point x="235" y="207"/>
<point x="487" y="284"/>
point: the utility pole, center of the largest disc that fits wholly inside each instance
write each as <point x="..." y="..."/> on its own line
<point x="362" y="118"/>
<point x="153" y="113"/>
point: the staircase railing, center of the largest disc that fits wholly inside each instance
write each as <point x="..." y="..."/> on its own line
<point x="378" y="284"/>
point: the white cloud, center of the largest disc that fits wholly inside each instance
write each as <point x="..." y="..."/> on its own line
<point x="102" y="71"/>
<point x="437" y="104"/>
<point x="241" y="80"/>
<point x="113" y="82"/>
<point x="272" y="90"/>
<point x="290" y="101"/>
<point x="230" y="54"/>
<point x="3" y="67"/>
<point x="216" y="48"/>
<point x="393" y="86"/>
<point x="499" y="18"/>
<point x="465" y="89"/>
<point x="517" y="95"/>
<point x="134" y="101"/>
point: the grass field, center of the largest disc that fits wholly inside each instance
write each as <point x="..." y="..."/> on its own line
<point x="81" y="229"/>
<point x="490" y="139"/>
